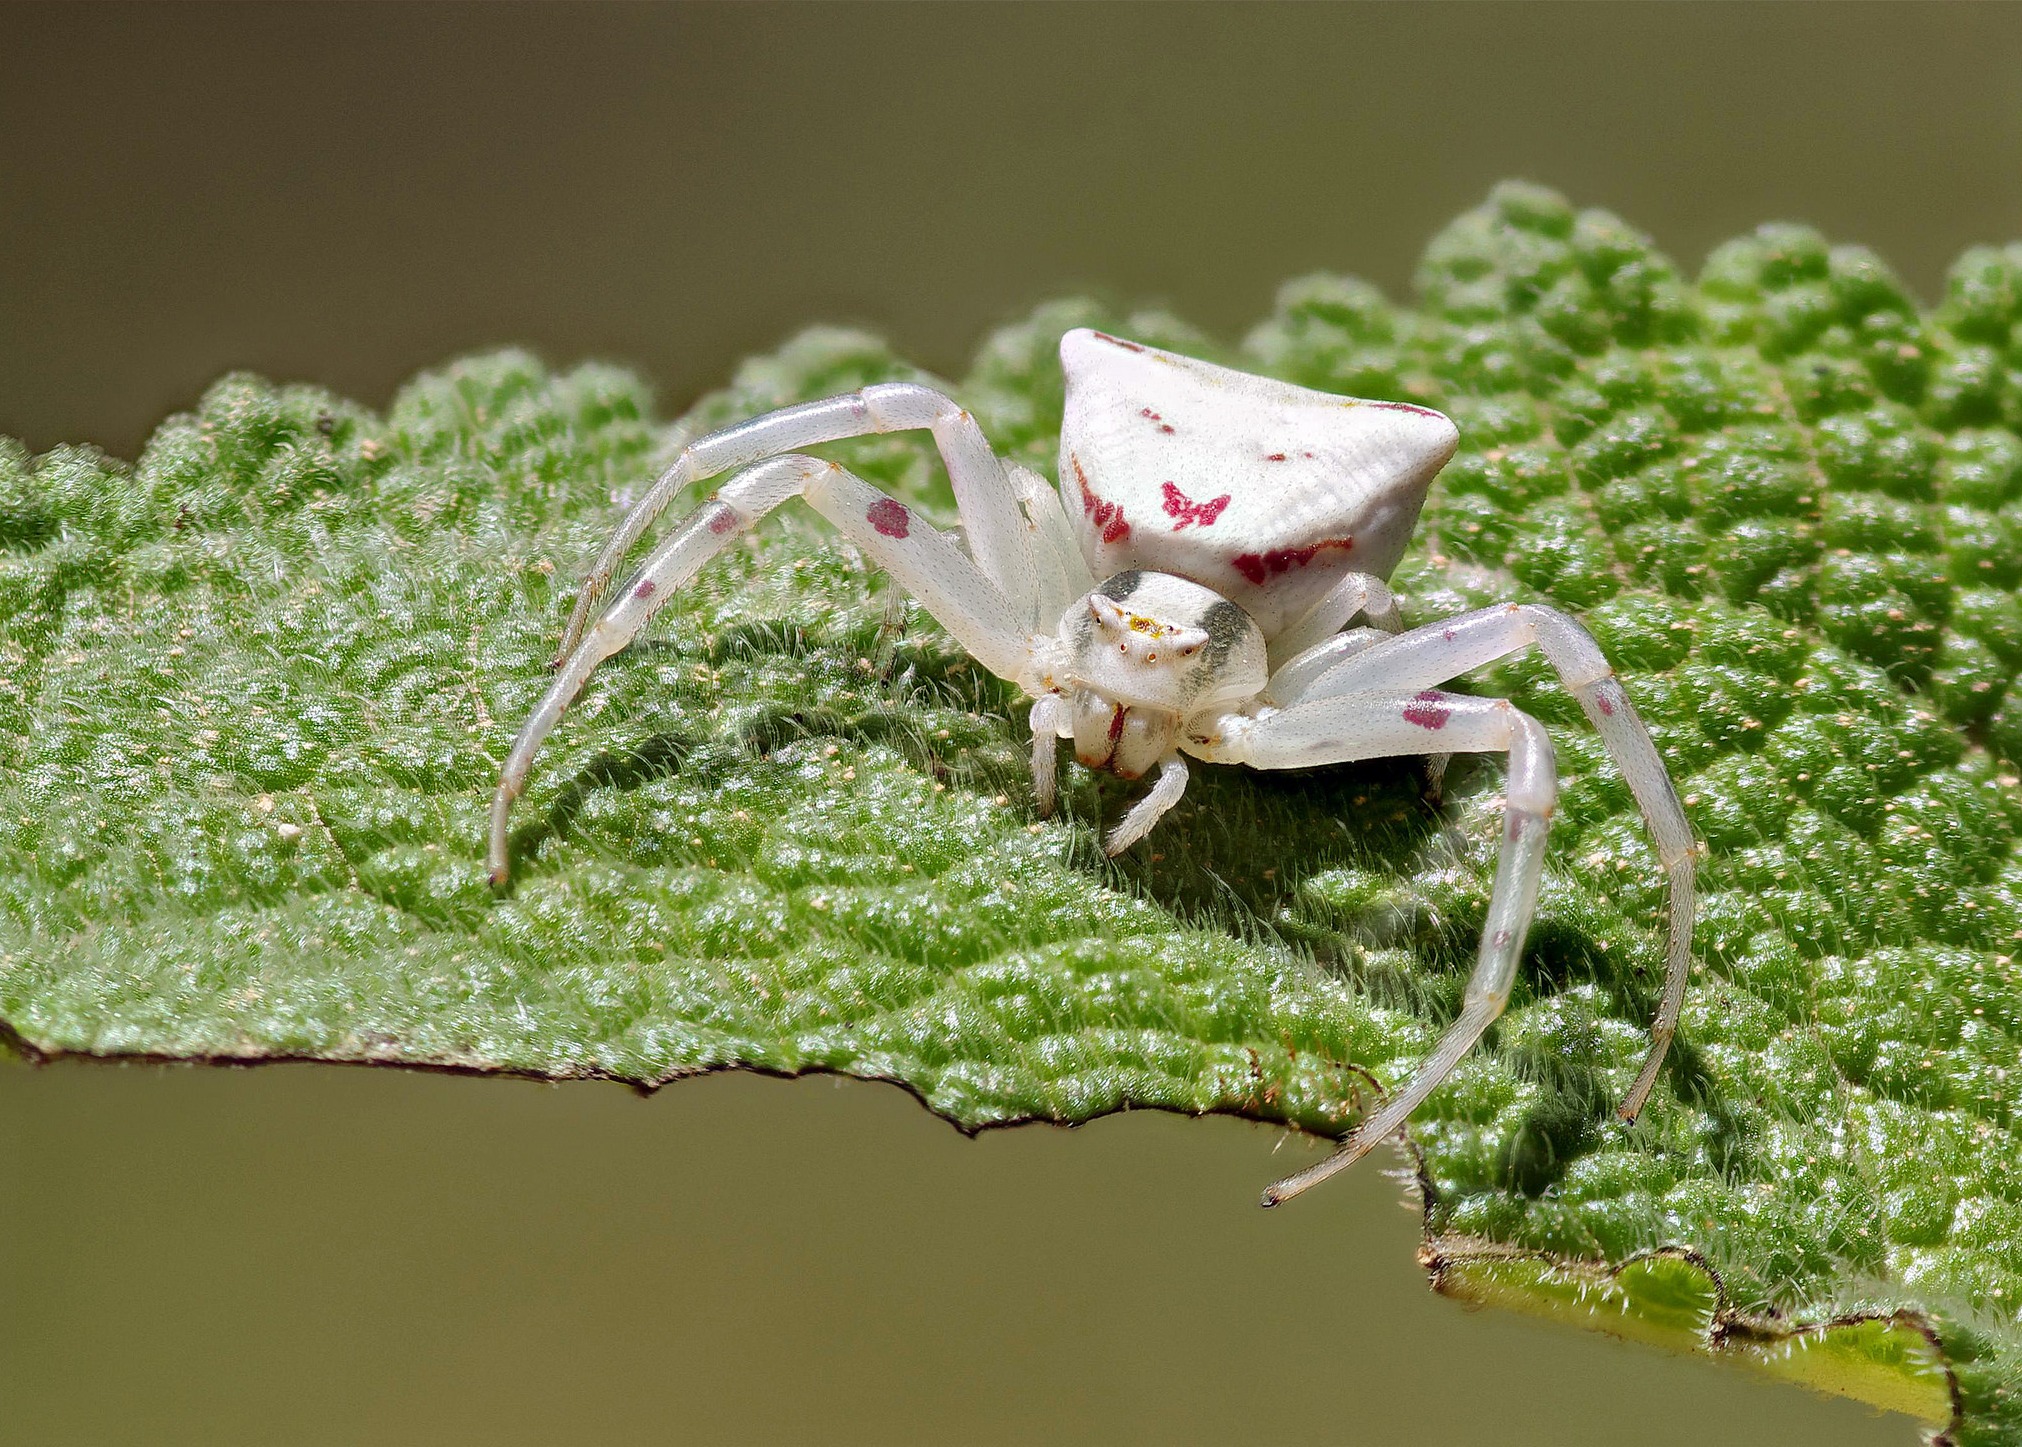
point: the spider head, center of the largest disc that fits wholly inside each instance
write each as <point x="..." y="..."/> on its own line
<point x="1148" y="651"/>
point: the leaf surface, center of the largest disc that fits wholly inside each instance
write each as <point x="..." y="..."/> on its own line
<point x="254" y="690"/>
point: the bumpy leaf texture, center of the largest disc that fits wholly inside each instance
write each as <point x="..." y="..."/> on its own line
<point x="254" y="690"/>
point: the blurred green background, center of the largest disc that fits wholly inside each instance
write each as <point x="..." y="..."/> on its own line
<point x="349" y="194"/>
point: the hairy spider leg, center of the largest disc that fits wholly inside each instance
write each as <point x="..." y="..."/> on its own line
<point x="1051" y="718"/>
<point x="999" y="534"/>
<point x="928" y="563"/>
<point x="1137" y="820"/>
<point x="1440" y="651"/>
<point x="1375" y="725"/>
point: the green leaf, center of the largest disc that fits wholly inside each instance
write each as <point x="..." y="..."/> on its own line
<point x="254" y="690"/>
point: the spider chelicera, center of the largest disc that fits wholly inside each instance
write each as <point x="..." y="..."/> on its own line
<point x="1187" y="591"/>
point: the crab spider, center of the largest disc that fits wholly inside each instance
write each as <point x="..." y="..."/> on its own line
<point x="1186" y="592"/>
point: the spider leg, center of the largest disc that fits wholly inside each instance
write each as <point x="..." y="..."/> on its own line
<point x="1064" y="573"/>
<point x="1050" y="723"/>
<point x="1380" y="725"/>
<point x="1139" y="818"/>
<point x="1000" y="534"/>
<point x="1355" y="593"/>
<point x="1289" y="684"/>
<point x="926" y="562"/>
<point x="1440" y="651"/>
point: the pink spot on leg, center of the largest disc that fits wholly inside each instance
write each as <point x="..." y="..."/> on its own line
<point x="889" y="518"/>
<point x="1605" y="704"/>
<point x="644" y="590"/>
<point x="722" y="522"/>
<point x="1427" y="710"/>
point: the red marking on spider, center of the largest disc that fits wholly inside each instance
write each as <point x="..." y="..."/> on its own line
<point x="1261" y="567"/>
<point x="1116" y="724"/>
<point x="644" y="590"/>
<point x="1274" y="457"/>
<point x="1116" y="341"/>
<point x="1149" y="415"/>
<point x="1601" y="702"/>
<point x="1187" y="512"/>
<point x="1427" y="710"/>
<point x="1405" y="407"/>
<point x="723" y="522"/>
<point x="889" y="517"/>
<point x="1107" y="516"/>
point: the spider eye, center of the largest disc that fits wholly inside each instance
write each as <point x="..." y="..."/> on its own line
<point x="1151" y="658"/>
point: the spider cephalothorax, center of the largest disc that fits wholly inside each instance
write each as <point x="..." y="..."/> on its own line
<point x="1238" y="526"/>
<point x="1145" y="652"/>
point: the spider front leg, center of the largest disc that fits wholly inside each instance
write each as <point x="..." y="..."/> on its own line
<point x="999" y="534"/>
<point x="926" y="562"/>
<point x="1384" y="725"/>
<point x="1306" y="639"/>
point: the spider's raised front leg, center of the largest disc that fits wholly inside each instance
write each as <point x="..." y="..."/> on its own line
<point x="1384" y="724"/>
<point x="1440" y="651"/>
<point x="999" y="534"/>
<point x="928" y="563"/>
<point x="1305" y="639"/>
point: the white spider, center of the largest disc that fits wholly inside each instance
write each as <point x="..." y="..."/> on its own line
<point x="1186" y="591"/>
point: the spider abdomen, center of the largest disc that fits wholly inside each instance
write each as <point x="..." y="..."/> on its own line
<point x="1265" y="492"/>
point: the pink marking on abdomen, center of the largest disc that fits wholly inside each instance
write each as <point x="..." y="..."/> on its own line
<point x="1188" y="512"/>
<point x="1260" y="567"/>
<point x="889" y="517"/>
<point x="1407" y="407"/>
<point x="1274" y="457"/>
<point x="1151" y="416"/>
<point x="1107" y="516"/>
<point x="1427" y="710"/>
